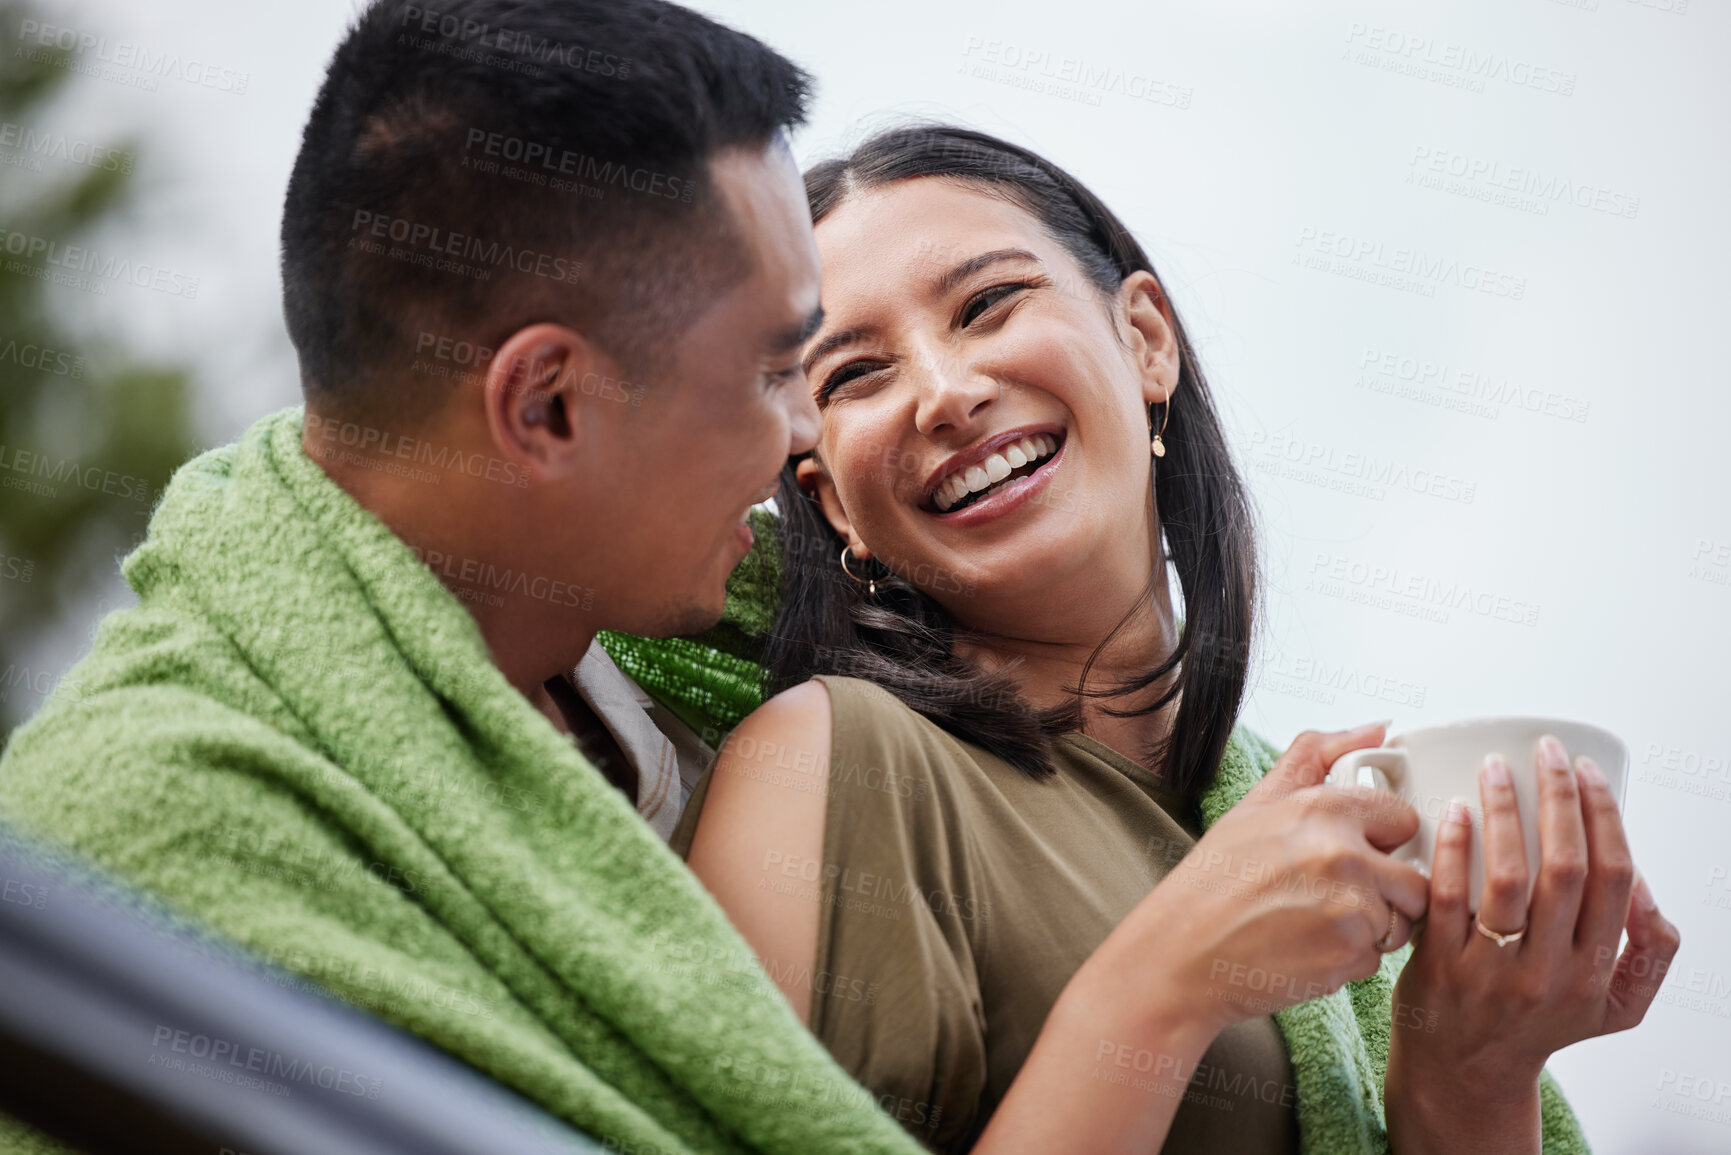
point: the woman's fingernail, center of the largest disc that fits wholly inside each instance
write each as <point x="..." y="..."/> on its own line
<point x="1385" y="724"/>
<point x="1552" y="756"/>
<point x="1496" y="772"/>
<point x="1457" y="812"/>
<point x="1588" y="771"/>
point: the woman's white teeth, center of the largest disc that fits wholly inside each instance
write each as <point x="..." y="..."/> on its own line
<point x="993" y="469"/>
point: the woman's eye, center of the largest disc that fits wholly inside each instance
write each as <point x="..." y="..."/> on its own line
<point x="844" y="374"/>
<point x="986" y="298"/>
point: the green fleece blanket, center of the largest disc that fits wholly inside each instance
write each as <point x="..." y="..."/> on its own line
<point x="298" y="737"/>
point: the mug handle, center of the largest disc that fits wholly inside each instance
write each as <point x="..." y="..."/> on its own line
<point x="1384" y="768"/>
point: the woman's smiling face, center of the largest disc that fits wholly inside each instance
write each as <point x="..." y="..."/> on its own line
<point x="963" y="347"/>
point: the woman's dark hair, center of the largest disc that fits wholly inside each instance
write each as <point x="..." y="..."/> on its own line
<point x="902" y="639"/>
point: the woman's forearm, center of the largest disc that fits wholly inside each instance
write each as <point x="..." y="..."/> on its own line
<point x="1104" y="1075"/>
<point x="1434" y="1114"/>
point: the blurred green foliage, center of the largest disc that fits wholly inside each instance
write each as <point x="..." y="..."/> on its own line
<point x="87" y="436"/>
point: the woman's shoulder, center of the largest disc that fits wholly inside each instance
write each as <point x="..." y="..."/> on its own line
<point x="871" y="727"/>
<point x="753" y="833"/>
<point x="862" y="698"/>
<point x="804" y="721"/>
<point x="861" y="693"/>
<point x="768" y="768"/>
<point x="828" y="732"/>
<point x="826" y="736"/>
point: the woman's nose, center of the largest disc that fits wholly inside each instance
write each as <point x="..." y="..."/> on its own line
<point x="952" y="393"/>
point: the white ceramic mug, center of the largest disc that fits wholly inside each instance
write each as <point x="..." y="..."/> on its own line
<point x="1431" y="766"/>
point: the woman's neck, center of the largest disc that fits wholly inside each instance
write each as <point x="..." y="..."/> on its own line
<point x="1046" y="671"/>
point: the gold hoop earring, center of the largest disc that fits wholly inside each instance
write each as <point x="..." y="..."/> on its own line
<point x="1157" y="445"/>
<point x="871" y="584"/>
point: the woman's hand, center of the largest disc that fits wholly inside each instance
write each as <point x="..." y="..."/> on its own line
<point x="1290" y="895"/>
<point x="1281" y="901"/>
<point x="1475" y="1021"/>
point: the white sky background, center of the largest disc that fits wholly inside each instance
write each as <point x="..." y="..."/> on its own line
<point x="1600" y="533"/>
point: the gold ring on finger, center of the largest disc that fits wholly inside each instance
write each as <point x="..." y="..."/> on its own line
<point x="1382" y="944"/>
<point x="1500" y="939"/>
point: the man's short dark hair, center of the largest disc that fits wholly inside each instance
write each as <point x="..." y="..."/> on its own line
<point x="473" y="166"/>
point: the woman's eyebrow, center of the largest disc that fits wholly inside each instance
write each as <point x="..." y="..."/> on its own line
<point x="830" y="344"/>
<point x="965" y="269"/>
<point x="950" y="279"/>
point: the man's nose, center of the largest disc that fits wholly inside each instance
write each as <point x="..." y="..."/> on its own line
<point x="804" y="422"/>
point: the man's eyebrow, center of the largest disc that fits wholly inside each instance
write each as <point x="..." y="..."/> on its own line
<point x="972" y="265"/>
<point x="794" y="336"/>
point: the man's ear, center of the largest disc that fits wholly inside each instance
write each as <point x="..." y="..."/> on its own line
<point x="1151" y="334"/>
<point x="816" y="481"/>
<point x="535" y="407"/>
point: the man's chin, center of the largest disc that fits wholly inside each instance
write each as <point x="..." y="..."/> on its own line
<point x="682" y="621"/>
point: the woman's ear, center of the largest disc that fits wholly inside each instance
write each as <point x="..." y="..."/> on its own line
<point x="1151" y="334"/>
<point x="816" y="481"/>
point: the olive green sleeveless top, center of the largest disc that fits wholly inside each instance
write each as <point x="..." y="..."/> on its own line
<point x="959" y="895"/>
